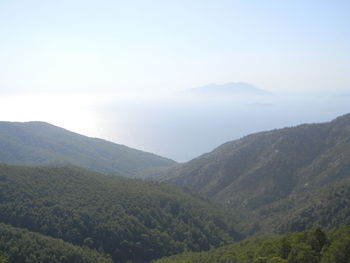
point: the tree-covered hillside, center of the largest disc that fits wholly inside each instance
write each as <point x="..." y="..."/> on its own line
<point x="3" y="258"/>
<point x="312" y="246"/>
<point x="328" y="207"/>
<point x="127" y="218"/>
<point x="272" y="174"/>
<point x="22" y="246"/>
<point x="42" y="144"/>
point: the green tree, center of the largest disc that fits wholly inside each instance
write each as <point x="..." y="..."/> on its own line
<point x="339" y="250"/>
<point x="302" y="253"/>
<point x="277" y="260"/>
<point x="2" y="258"/>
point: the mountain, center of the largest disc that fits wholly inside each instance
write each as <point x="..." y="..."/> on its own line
<point x="42" y="144"/>
<point x="128" y="219"/>
<point x="279" y="177"/>
<point x="228" y="89"/>
<point x="21" y="246"/>
<point x="312" y="246"/>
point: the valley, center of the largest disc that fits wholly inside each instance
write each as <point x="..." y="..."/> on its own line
<point x="243" y="196"/>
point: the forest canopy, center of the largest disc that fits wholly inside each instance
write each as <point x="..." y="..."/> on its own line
<point x="311" y="246"/>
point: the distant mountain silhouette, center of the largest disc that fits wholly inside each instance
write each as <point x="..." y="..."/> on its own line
<point x="228" y="89"/>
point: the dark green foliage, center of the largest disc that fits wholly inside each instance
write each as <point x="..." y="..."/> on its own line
<point x="22" y="246"/>
<point x="312" y="246"/>
<point x="127" y="218"/>
<point x="42" y="144"/>
<point x="339" y="249"/>
<point x="3" y="258"/>
<point x="328" y="207"/>
<point x="287" y="179"/>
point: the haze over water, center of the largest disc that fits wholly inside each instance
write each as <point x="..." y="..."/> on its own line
<point x="177" y="126"/>
<point x="117" y="69"/>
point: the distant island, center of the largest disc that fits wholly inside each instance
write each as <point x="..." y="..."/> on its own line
<point x="228" y="89"/>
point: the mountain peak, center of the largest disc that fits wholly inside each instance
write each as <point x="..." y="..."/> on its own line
<point x="231" y="88"/>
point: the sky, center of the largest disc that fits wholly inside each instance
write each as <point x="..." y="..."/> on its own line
<point x="109" y="69"/>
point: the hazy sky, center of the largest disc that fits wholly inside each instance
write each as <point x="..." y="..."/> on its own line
<point x="71" y="45"/>
<point x="69" y="62"/>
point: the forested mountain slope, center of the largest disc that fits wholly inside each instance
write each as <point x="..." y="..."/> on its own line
<point x="296" y="169"/>
<point x="42" y="144"/>
<point x="312" y="246"/>
<point x="22" y="246"/>
<point x="128" y="219"/>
